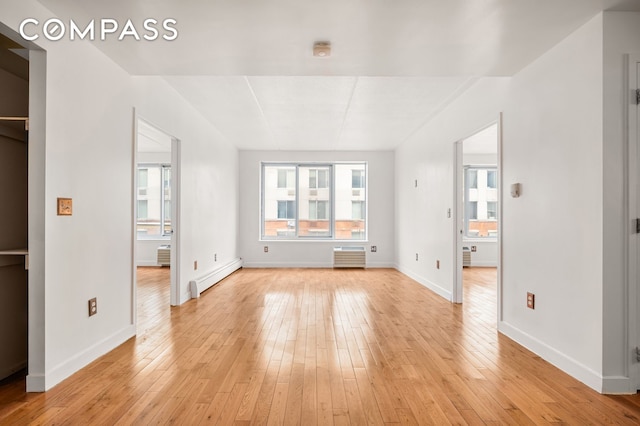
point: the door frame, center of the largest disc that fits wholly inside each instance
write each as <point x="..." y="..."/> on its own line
<point x="457" y="295"/>
<point x="633" y="248"/>
<point x="175" y="215"/>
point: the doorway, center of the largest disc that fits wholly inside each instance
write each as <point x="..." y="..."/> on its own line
<point x="14" y="187"/>
<point x="477" y="214"/>
<point x="156" y="205"/>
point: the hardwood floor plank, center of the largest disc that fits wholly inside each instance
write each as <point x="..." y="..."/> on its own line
<point x="317" y="346"/>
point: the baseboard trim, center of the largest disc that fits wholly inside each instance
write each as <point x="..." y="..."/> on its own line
<point x="36" y="383"/>
<point x="618" y="385"/>
<point x="442" y="292"/>
<point x="213" y="277"/>
<point x="269" y="265"/>
<point x="147" y="263"/>
<point x="579" y="371"/>
<point x="40" y="383"/>
<point x="476" y="264"/>
<point x="311" y="265"/>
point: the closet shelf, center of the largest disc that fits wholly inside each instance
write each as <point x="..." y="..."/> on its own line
<point x="7" y="257"/>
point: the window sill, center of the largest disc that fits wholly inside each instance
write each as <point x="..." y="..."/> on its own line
<point x="480" y="240"/>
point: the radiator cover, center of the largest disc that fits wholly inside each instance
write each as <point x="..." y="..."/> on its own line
<point x="349" y="257"/>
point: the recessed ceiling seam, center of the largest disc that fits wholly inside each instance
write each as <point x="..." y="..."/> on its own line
<point x="449" y="100"/>
<point x="262" y="114"/>
<point x="346" y="112"/>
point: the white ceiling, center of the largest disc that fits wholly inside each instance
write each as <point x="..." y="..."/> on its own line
<point x="150" y="139"/>
<point x="483" y="142"/>
<point x="247" y="65"/>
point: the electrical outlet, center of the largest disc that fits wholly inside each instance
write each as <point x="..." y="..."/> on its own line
<point x="531" y="301"/>
<point x="374" y="249"/>
<point x="195" y="265"/>
<point x="266" y="249"/>
<point x="93" y="306"/>
<point x="437" y="264"/>
<point x="416" y="257"/>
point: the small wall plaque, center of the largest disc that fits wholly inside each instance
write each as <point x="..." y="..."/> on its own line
<point x="65" y="206"/>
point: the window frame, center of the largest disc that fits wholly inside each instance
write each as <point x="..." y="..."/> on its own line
<point x="331" y="186"/>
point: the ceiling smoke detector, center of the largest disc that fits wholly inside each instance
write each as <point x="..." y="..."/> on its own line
<point x="322" y="49"/>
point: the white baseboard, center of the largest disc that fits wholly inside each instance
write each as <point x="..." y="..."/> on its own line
<point x="36" y="383"/>
<point x="207" y="280"/>
<point x="485" y="264"/>
<point x="381" y="265"/>
<point x="41" y="383"/>
<point x="619" y="385"/>
<point x="268" y="265"/>
<point x="309" y="265"/>
<point x="147" y="263"/>
<point x="579" y="371"/>
<point x="425" y="282"/>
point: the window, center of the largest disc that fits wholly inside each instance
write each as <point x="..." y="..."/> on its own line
<point x="472" y="176"/>
<point x="286" y="210"/>
<point x="357" y="178"/>
<point x="142" y="209"/>
<point x="357" y="210"/>
<point x="154" y="201"/>
<point x="318" y="210"/>
<point x="306" y="201"/>
<point x="318" y="178"/>
<point x="473" y="210"/>
<point x="492" y="210"/>
<point x="480" y="202"/>
<point x="492" y="181"/>
<point x="286" y="178"/>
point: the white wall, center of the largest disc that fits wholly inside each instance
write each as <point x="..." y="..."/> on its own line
<point x="422" y="225"/>
<point x="485" y="254"/>
<point x="552" y="141"/>
<point x="317" y="253"/>
<point x="552" y="234"/>
<point x="208" y="181"/>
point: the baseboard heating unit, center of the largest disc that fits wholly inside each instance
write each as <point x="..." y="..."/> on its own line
<point x="349" y="257"/>
<point x="199" y="285"/>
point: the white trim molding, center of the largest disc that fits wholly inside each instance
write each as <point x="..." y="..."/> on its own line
<point x="44" y="382"/>
<point x="579" y="371"/>
<point x="442" y="292"/>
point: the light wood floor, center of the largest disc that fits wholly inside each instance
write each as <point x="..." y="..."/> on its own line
<point x="317" y="347"/>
